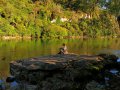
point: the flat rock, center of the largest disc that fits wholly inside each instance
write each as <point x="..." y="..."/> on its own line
<point x="53" y="62"/>
<point x="59" y="72"/>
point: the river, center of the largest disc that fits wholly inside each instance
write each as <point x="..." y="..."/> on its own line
<point x="11" y="50"/>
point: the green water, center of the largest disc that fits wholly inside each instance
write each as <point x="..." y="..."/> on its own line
<point x="11" y="50"/>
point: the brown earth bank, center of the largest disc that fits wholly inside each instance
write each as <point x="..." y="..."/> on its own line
<point x="68" y="72"/>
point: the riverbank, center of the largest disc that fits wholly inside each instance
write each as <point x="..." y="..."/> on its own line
<point x="70" y="71"/>
<point x="14" y="37"/>
<point x="67" y="37"/>
<point x="12" y="50"/>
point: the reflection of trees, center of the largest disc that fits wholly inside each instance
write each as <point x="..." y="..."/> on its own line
<point x="92" y="46"/>
<point x="118" y="19"/>
<point x="19" y="49"/>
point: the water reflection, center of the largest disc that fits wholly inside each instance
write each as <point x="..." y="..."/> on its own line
<point x="19" y="49"/>
<point x="114" y="71"/>
<point x="118" y="60"/>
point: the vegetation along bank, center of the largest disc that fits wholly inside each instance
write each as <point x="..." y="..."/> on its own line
<point x="59" y="18"/>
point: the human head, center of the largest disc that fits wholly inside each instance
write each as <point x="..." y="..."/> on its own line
<point x="63" y="44"/>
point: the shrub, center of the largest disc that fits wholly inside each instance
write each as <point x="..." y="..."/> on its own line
<point x="54" y="31"/>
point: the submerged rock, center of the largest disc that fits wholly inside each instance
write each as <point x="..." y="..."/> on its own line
<point x="60" y="72"/>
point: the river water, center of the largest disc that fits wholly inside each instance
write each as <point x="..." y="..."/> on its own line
<point x="11" y="50"/>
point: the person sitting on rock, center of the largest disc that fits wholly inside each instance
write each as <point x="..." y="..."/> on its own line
<point x="63" y="49"/>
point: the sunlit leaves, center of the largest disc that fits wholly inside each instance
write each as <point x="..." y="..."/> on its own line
<point x="31" y="17"/>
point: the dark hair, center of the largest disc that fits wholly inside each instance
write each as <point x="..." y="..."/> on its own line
<point x="63" y="44"/>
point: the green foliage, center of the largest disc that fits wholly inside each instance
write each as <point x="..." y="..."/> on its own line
<point x="33" y="18"/>
<point x="54" y="31"/>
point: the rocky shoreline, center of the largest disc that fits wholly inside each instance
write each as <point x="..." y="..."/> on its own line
<point x="68" y="72"/>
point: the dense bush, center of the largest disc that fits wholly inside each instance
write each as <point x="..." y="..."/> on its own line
<point x="54" y="31"/>
<point x="33" y="18"/>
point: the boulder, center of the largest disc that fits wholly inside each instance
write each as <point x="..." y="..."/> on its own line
<point x="60" y="72"/>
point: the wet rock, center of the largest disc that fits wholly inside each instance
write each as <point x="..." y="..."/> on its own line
<point x="106" y="81"/>
<point x="25" y="86"/>
<point x="60" y="72"/>
<point x="109" y="57"/>
<point x="114" y="82"/>
<point x="93" y="85"/>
